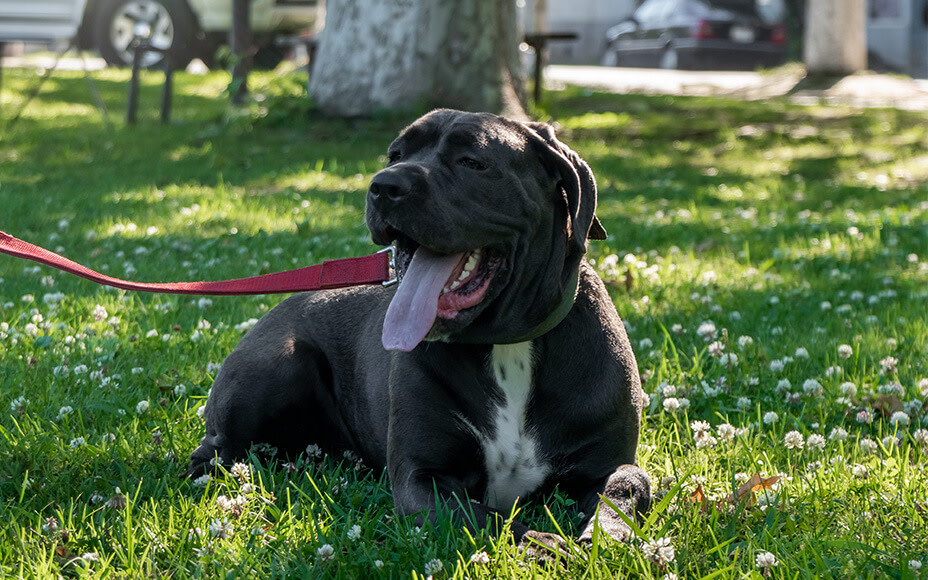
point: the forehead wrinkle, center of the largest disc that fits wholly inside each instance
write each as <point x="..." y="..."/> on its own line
<point x="483" y="135"/>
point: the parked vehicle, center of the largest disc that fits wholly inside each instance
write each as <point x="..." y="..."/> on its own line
<point x="699" y="34"/>
<point x="186" y="28"/>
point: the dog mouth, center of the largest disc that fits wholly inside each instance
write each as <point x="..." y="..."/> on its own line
<point x="435" y="285"/>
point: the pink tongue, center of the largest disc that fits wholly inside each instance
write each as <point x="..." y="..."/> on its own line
<point x="415" y="304"/>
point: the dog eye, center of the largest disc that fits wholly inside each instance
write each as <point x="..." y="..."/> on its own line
<point x="471" y="163"/>
<point x="394" y="156"/>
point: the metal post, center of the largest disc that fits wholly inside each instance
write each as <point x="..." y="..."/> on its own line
<point x="167" y="90"/>
<point x="132" y="106"/>
<point x="539" y="65"/>
<point x="2" y="49"/>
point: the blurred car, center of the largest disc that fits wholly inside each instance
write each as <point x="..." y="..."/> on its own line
<point x="699" y="34"/>
<point x="187" y="29"/>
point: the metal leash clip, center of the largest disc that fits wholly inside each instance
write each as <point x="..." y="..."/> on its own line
<point x="392" y="251"/>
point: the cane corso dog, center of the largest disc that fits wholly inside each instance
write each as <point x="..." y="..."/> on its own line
<point x="494" y="370"/>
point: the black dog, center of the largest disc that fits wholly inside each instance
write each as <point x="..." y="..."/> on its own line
<point x="497" y="369"/>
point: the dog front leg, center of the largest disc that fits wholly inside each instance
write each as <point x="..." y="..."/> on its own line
<point x="627" y="488"/>
<point x="427" y="495"/>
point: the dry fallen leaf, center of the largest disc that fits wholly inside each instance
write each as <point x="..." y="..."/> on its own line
<point x="698" y="496"/>
<point x="755" y="484"/>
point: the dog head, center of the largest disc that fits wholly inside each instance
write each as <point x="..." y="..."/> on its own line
<point x="490" y="218"/>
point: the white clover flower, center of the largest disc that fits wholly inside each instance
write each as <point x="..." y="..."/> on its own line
<point x="481" y="558"/>
<point x="765" y="560"/>
<point x="793" y="440"/>
<point x="18" y="405"/>
<point x="848" y="389"/>
<point x="64" y="412"/>
<point x="776" y="365"/>
<point x="915" y="565"/>
<point x="220" y="528"/>
<point x="864" y="416"/>
<point x="705" y="441"/>
<point x="244" y="326"/>
<point x="859" y="471"/>
<point x="801" y="353"/>
<point x="354" y="532"/>
<point x="869" y="446"/>
<point x="812" y="388"/>
<point x="667" y="390"/>
<point x="770" y="418"/>
<point x="726" y="432"/>
<point x="142" y="407"/>
<point x="99" y="313"/>
<point x="838" y="434"/>
<point x="433" y="567"/>
<point x="845" y="351"/>
<point x="699" y="426"/>
<point x="729" y="359"/>
<point x="893" y="388"/>
<point x="645" y="343"/>
<point x="325" y="552"/>
<point x="203" y="480"/>
<point x="671" y="404"/>
<point x="77" y="442"/>
<point x="783" y="385"/>
<point x="889" y="364"/>
<point x="921" y="436"/>
<point x="660" y="551"/>
<point x="899" y="419"/>
<point x="179" y="390"/>
<point x="815" y="442"/>
<point x="226" y="503"/>
<point x="716" y="349"/>
<point x="707" y="331"/>
<point x="744" y="342"/>
<point x="378" y="564"/>
<point x="240" y="470"/>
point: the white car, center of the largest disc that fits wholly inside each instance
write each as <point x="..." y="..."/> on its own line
<point x="187" y="29"/>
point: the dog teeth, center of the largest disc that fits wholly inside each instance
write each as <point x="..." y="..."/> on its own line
<point x="472" y="261"/>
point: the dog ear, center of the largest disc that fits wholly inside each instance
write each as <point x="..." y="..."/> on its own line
<point x="576" y="181"/>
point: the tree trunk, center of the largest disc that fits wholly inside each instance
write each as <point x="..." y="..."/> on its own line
<point x="835" y="36"/>
<point x="240" y="41"/>
<point x="400" y="54"/>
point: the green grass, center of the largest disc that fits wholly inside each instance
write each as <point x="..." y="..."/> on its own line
<point x="800" y="228"/>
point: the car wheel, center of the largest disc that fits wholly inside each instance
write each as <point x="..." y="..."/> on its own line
<point x="170" y="23"/>
<point x="670" y="59"/>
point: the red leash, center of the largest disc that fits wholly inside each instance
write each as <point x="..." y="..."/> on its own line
<point x="373" y="269"/>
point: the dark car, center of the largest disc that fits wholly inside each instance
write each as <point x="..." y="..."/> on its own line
<point x="699" y="34"/>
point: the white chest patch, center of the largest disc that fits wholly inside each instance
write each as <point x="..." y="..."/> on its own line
<point x="514" y="468"/>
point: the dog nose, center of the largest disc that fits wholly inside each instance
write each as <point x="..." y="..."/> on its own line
<point x="389" y="184"/>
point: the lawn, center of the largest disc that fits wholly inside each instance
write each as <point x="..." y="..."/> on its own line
<point x="770" y="262"/>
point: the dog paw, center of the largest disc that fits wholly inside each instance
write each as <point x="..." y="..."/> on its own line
<point x="544" y="547"/>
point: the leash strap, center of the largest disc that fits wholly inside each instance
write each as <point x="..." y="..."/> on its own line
<point x="373" y="269"/>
